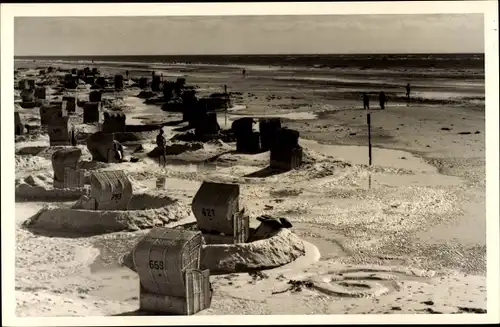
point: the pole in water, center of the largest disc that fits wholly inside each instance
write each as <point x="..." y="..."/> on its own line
<point x="225" y="105"/>
<point x="368" y="121"/>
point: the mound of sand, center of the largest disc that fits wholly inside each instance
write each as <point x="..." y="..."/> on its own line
<point x="135" y="136"/>
<point x="282" y="248"/>
<point x="41" y="180"/>
<point x="175" y="149"/>
<point x="34" y="135"/>
<point x="71" y="221"/>
<point x="310" y="156"/>
<point x="26" y="192"/>
<point x="278" y="250"/>
<point x="219" y="144"/>
<point x="28" y="163"/>
<point x="39" y="187"/>
<point x="46" y="151"/>
<point x="30" y="150"/>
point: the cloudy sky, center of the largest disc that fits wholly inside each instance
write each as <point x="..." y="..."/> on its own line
<point x="248" y="34"/>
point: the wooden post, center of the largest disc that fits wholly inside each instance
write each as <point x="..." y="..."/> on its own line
<point x="225" y="105"/>
<point x="368" y="121"/>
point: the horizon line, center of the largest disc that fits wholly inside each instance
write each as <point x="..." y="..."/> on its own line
<point x="252" y="54"/>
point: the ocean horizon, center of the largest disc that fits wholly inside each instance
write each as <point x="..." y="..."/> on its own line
<point x="366" y="61"/>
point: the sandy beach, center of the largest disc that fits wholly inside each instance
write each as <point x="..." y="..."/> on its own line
<point x="413" y="242"/>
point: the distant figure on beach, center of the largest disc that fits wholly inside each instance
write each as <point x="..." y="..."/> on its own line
<point x="382" y="99"/>
<point x="408" y="89"/>
<point x="244" y="72"/>
<point x="160" y="142"/>
<point x="73" y="138"/>
<point x="366" y="101"/>
<point x="118" y="152"/>
<point x="126" y="73"/>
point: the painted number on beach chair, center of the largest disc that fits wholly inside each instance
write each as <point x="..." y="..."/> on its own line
<point x="116" y="196"/>
<point x="153" y="264"/>
<point x="56" y="130"/>
<point x="208" y="212"/>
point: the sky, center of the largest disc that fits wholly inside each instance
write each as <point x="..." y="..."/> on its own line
<point x="201" y="35"/>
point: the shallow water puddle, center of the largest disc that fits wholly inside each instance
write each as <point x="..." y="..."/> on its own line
<point x="381" y="157"/>
<point x="328" y="244"/>
<point x="303" y="115"/>
<point x="394" y="180"/>
<point x="140" y="108"/>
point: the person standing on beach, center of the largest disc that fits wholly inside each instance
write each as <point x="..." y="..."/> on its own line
<point x="126" y="73"/>
<point x="366" y="101"/>
<point x="73" y="138"/>
<point x="382" y="99"/>
<point x="408" y="89"/>
<point x="118" y="150"/>
<point x="244" y="73"/>
<point x="160" y="142"/>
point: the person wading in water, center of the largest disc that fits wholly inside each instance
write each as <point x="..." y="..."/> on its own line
<point x="366" y="101"/>
<point x="408" y="89"/>
<point x="382" y="99"/>
<point x="160" y="143"/>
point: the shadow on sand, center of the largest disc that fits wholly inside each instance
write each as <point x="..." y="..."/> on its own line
<point x="57" y="233"/>
<point x="265" y="172"/>
<point x="142" y="313"/>
<point x="172" y="123"/>
<point x="217" y="156"/>
<point x="183" y="128"/>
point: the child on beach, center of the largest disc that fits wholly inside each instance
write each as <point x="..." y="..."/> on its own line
<point x="366" y="101"/>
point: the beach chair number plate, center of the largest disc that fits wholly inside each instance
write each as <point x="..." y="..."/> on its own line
<point x="154" y="264"/>
<point x="117" y="196"/>
<point x="208" y="212"/>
